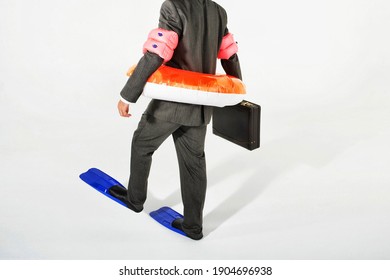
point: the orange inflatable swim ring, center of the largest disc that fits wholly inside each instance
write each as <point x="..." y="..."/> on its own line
<point x="178" y="85"/>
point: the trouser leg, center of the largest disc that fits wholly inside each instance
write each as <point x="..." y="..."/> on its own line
<point x="150" y="134"/>
<point x="189" y="144"/>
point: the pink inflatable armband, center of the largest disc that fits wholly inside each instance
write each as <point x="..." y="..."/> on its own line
<point x="161" y="42"/>
<point x="228" y="47"/>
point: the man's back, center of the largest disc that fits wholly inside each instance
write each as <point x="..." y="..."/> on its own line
<point x="201" y="24"/>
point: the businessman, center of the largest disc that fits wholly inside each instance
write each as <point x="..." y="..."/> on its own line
<point x="192" y="35"/>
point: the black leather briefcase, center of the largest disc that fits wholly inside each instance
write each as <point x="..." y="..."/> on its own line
<point x="239" y="124"/>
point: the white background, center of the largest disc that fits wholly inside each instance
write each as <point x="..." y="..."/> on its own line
<point x="318" y="188"/>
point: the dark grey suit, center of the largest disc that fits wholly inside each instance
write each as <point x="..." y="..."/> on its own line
<point x="201" y="25"/>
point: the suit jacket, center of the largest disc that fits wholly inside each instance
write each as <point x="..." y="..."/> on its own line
<point x="200" y="25"/>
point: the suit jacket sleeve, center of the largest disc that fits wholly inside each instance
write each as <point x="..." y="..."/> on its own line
<point x="170" y="19"/>
<point x="147" y="65"/>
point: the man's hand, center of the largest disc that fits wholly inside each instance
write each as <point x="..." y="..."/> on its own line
<point x="123" y="109"/>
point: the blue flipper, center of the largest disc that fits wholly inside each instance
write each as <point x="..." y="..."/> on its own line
<point x="166" y="216"/>
<point x="101" y="182"/>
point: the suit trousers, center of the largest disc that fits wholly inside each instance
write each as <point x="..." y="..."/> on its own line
<point x="189" y="144"/>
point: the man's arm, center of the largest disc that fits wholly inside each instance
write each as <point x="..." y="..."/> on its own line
<point x="158" y="49"/>
<point x="228" y="55"/>
<point x="146" y="66"/>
